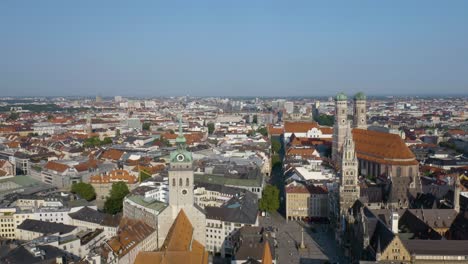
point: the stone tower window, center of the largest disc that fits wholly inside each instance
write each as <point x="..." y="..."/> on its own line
<point x="173" y="182"/>
<point x="187" y="182"/>
<point x="180" y="182"/>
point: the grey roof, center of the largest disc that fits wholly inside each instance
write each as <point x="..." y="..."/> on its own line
<point x="45" y="227"/>
<point x="437" y="247"/>
<point x="241" y="208"/>
<point x="23" y="255"/>
<point x="249" y="242"/>
<point x="93" y="216"/>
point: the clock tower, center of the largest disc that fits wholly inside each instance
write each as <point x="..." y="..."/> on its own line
<point x="180" y="174"/>
<point x="181" y="193"/>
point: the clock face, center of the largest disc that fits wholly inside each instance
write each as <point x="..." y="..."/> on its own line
<point x="184" y="192"/>
<point x="180" y="157"/>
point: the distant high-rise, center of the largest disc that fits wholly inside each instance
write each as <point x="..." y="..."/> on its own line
<point x="118" y="99"/>
<point x="289" y="107"/>
<point x="98" y="99"/>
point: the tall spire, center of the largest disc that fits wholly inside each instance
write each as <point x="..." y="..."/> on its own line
<point x="180" y="140"/>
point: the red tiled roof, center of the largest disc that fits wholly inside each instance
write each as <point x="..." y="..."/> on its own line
<point x="114" y="176"/>
<point x="381" y="147"/>
<point x="303" y="152"/>
<point x="303" y="127"/>
<point x="275" y="131"/>
<point x="112" y="154"/>
<point x="55" y="166"/>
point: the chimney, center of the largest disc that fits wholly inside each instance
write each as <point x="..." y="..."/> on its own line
<point x="394" y="222"/>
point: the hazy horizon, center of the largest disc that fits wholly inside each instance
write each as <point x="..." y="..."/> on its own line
<point x="241" y="48"/>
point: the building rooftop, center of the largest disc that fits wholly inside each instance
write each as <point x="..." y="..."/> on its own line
<point x="242" y="208"/>
<point x="147" y="203"/>
<point x="222" y="180"/>
<point x="87" y="214"/>
<point x="381" y="147"/>
<point x="45" y="227"/>
<point x="179" y="246"/>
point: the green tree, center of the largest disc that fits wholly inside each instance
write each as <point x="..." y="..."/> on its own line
<point x="270" y="199"/>
<point x="50" y="117"/>
<point x="144" y="175"/>
<point x="275" y="146"/>
<point x="96" y="142"/>
<point x="325" y="120"/>
<point x="164" y="141"/>
<point x="263" y="131"/>
<point x="84" y="190"/>
<point x="106" y="141"/>
<point x="13" y="116"/>
<point x="255" y="119"/>
<point x="275" y="161"/>
<point x="146" y="126"/>
<point x="117" y="132"/>
<point x="114" y="202"/>
<point x="211" y="128"/>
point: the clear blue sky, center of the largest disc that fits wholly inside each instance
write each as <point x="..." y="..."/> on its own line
<point x="221" y="47"/>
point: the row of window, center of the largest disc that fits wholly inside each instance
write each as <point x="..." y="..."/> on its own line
<point x="187" y="182"/>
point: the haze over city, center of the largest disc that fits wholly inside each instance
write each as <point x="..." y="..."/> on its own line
<point x="233" y="48"/>
<point x="233" y="132"/>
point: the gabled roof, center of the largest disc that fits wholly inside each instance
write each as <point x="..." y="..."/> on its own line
<point x="381" y="147"/>
<point x="303" y="127"/>
<point x="45" y="227"/>
<point x="112" y="154"/>
<point x="179" y="246"/>
<point x="266" y="256"/>
<point x="55" y="166"/>
<point x="131" y="232"/>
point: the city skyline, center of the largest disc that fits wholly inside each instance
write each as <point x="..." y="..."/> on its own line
<point x="209" y="48"/>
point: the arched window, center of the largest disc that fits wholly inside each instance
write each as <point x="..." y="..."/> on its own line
<point x="187" y="182"/>
<point x="398" y="171"/>
<point x="173" y="182"/>
<point x="180" y="182"/>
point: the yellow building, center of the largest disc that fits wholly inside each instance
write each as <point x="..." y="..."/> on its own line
<point x="7" y="223"/>
<point x="305" y="201"/>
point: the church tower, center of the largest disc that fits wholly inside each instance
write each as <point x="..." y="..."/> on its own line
<point x="360" y="112"/>
<point x="181" y="198"/>
<point x="180" y="174"/>
<point x="339" y="128"/>
<point x="349" y="187"/>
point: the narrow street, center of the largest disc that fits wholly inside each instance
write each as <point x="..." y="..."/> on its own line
<point x="319" y="240"/>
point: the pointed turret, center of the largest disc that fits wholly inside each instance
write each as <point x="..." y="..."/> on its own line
<point x="180" y="140"/>
<point x="266" y="256"/>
